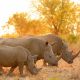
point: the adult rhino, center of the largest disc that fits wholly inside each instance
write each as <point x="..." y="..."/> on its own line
<point x="36" y="47"/>
<point x="59" y="47"/>
<point x="16" y="56"/>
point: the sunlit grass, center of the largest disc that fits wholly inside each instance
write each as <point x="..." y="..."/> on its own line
<point x="54" y="79"/>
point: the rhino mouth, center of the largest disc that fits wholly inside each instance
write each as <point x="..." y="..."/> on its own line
<point x="70" y="62"/>
<point x="54" y="64"/>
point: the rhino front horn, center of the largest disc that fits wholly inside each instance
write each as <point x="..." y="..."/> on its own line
<point x="52" y="44"/>
<point x="74" y="56"/>
<point x="59" y="57"/>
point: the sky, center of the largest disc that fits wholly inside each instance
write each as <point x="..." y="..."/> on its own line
<point x="76" y="1"/>
<point x="9" y="7"/>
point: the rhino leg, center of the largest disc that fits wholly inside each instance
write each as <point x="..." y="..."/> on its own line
<point x="1" y="70"/>
<point x="11" y="70"/>
<point x="44" y="63"/>
<point x="21" y="65"/>
<point x="32" y="68"/>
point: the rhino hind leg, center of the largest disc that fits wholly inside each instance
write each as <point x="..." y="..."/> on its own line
<point x="21" y="66"/>
<point x="11" y="70"/>
<point x="45" y="63"/>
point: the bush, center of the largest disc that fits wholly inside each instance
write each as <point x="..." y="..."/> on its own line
<point x="72" y="38"/>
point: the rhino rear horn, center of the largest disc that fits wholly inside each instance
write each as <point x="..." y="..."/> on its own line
<point x="52" y="44"/>
<point x="74" y="56"/>
<point x="58" y="58"/>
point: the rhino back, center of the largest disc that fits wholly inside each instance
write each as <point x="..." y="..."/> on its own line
<point x="9" y="56"/>
<point x="34" y="45"/>
<point x="53" y="39"/>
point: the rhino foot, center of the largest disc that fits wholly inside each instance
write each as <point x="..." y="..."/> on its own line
<point x="22" y="75"/>
<point x="10" y="74"/>
<point x="1" y="72"/>
<point x="35" y="71"/>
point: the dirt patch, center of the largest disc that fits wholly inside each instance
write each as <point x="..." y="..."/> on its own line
<point x="63" y="72"/>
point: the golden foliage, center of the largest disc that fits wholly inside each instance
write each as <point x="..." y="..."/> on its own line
<point x="57" y="16"/>
<point x="20" y="21"/>
<point x="24" y="25"/>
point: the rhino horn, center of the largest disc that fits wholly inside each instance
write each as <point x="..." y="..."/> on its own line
<point x="59" y="57"/>
<point x="74" y="56"/>
<point x="52" y="44"/>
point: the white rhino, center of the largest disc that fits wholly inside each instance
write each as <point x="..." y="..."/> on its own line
<point x="59" y="47"/>
<point x="36" y="47"/>
<point x="17" y="56"/>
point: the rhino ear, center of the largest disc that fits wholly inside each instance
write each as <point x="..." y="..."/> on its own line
<point x="46" y="43"/>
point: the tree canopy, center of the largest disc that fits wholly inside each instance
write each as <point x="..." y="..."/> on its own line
<point x="59" y="14"/>
<point x="56" y="16"/>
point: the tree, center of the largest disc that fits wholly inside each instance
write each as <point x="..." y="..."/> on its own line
<point x="38" y="27"/>
<point x="24" y="25"/>
<point x="57" y="13"/>
<point x="78" y="19"/>
<point x="20" y="22"/>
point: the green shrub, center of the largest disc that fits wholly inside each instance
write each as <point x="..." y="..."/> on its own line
<point x="72" y="38"/>
<point x="54" y="79"/>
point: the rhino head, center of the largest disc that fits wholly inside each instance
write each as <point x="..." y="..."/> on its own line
<point x="65" y="54"/>
<point x="49" y="56"/>
<point x="31" y="64"/>
<point x="68" y="56"/>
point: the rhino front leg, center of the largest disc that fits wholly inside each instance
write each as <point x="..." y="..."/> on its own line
<point x="21" y="65"/>
<point x="11" y="70"/>
<point x="1" y="70"/>
<point x="33" y="70"/>
<point x="45" y="63"/>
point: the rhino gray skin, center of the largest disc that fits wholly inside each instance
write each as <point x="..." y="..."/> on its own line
<point x="36" y="47"/>
<point x="59" y="47"/>
<point x="17" y="56"/>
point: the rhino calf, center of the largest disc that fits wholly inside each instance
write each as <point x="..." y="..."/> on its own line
<point x="17" y="56"/>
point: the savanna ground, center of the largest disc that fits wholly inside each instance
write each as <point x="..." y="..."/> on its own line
<point x="64" y="71"/>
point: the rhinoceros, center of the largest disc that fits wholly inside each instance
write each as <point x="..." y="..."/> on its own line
<point x="36" y="47"/>
<point x="59" y="47"/>
<point x="17" y="56"/>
